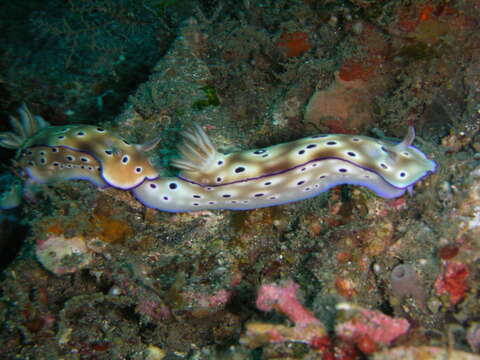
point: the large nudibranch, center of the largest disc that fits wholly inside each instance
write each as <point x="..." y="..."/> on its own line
<point x="283" y="173"/>
<point x="210" y="180"/>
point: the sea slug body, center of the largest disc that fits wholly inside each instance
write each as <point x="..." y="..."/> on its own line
<point x="208" y="179"/>
<point x="283" y="173"/>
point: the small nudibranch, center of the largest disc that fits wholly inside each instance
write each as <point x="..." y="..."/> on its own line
<point x="77" y="152"/>
<point x="283" y="173"/>
<point x="78" y="149"/>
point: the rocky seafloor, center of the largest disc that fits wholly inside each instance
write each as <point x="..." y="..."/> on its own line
<point x="345" y="275"/>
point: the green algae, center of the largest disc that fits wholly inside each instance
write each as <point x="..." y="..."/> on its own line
<point x="211" y="98"/>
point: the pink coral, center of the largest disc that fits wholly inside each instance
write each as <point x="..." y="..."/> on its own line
<point x="283" y="298"/>
<point x="374" y="325"/>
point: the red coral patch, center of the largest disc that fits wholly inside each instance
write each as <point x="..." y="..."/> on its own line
<point x="294" y="44"/>
<point x="453" y="281"/>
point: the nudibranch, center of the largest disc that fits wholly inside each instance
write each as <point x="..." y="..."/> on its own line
<point x="283" y="173"/>
<point x="211" y="180"/>
<point x="71" y="152"/>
